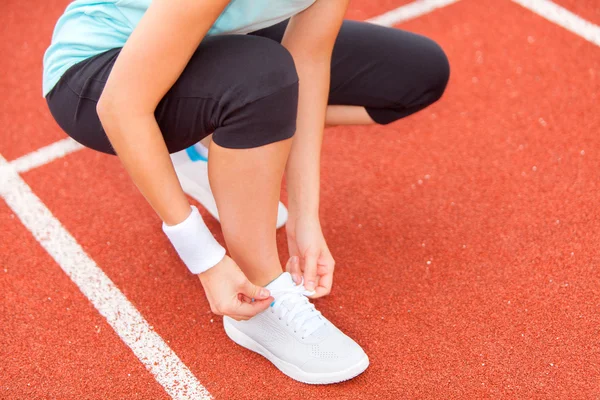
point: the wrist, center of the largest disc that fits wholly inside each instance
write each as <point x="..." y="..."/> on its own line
<point x="303" y="196"/>
<point x="303" y="221"/>
<point x="296" y="212"/>
<point x="194" y="243"/>
<point x="209" y="274"/>
<point x="302" y="215"/>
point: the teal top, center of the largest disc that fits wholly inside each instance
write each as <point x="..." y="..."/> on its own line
<point x="91" y="27"/>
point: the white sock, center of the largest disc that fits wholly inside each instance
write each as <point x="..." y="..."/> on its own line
<point x="195" y="244"/>
<point x="201" y="149"/>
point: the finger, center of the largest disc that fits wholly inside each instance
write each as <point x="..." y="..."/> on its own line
<point x="293" y="267"/>
<point x="292" y="248"/>
<point x="244" y="298"/>
<point x="249" y="310"/>
<point x="254" y="292"/>
<point x="310" y="270"/>
<point x="325" y="284"/>
<point x="325" y="274"/>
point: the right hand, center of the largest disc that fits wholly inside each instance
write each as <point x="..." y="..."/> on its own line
<point x="230" y="293"/>
<point x="315" y="264"/>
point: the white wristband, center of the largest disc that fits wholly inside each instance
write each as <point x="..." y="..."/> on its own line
<point x="196" y="246"/>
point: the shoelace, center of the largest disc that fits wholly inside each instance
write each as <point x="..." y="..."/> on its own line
<point x="298" y="311"/>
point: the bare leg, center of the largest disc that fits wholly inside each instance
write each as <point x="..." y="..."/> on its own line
<point x="347" y="115"/>
<point x="246" y="184"/>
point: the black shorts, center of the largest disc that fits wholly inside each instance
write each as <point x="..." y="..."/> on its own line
<point x="244" y="88"/>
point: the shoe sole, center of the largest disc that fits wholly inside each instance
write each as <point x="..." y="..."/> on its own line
<point x="291" y="370"/>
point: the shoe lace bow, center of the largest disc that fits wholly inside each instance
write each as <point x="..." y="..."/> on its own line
<point x="292" y="305"/>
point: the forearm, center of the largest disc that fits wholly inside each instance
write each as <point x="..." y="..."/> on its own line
<point x="150" y="169"/>
<point x="303" y="166"/>
<point x="138" y="81"/>
<point x="310" y="38"/>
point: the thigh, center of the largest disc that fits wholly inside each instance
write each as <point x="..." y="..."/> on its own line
<point x="390" y="72"/>
<point x="225" y="74"/>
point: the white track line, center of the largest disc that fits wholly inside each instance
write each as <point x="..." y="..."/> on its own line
<point x="46" y="154"/>
<point x="409" y="11"/>
<point x="563" y="17"/>
<point x="170" y="372"/>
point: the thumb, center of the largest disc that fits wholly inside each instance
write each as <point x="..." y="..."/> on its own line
<point x="293" y="267"/>
<point x="254" y="292"/>
<point x="249" y="310"/>
<point x="310" y="271"/>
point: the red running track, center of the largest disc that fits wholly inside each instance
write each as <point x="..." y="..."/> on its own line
<point x="466" y="236"/>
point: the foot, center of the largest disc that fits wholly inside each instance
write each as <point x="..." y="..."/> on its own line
<point x="192" y="170"/>
<point x="297" y="339"/>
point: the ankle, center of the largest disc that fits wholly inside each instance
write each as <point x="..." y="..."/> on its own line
<point x="265" y="277"/>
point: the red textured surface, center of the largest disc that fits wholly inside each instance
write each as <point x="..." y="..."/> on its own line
<point x="588" y="9"/>
<point x="54" y="343"/>
<point x="361" y="10"/>
<point x="26" y="30"/>
<point x="496" y="185"/>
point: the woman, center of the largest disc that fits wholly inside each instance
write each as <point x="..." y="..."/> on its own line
<point x="142" y="79"/>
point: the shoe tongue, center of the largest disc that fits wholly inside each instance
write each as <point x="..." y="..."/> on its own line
<point x="283" y="281"/>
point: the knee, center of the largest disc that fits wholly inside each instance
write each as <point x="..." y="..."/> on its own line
<point x="266" y="68"/>
<point x="438" y="68"/>
<point x="264" y="101"/>
<point x="429" y="70"/>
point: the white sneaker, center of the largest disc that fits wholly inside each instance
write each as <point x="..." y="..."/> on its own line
<point x="295" y="337"/>
<point x="192" y="171"/>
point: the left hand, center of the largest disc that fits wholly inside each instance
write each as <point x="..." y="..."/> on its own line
<point x="314" y="262"/>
